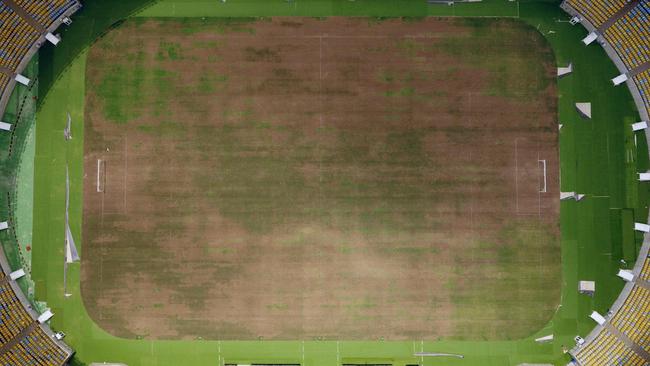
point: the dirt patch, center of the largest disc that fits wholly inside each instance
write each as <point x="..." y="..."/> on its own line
<point x="295" y="178"/>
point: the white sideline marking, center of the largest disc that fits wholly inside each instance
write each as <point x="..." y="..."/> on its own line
<point x="338" y="353"/>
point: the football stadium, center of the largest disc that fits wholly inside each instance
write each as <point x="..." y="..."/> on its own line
<point x="324" y="182"/>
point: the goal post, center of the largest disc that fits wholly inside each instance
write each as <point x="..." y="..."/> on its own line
<point x="101" y="175"/>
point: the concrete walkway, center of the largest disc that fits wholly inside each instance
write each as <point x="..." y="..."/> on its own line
<point x="639" y="69"/>
<point x="642" y="283"/>
<point x="6" y="71"/>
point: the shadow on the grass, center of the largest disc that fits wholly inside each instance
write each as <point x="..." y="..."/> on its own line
<point x="95" y="19"/>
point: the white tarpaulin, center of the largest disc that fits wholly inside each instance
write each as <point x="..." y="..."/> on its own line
<point x="619" y="79"/>
<point x="23" y="80"/>
<point x="626" y="275"/>
<point x="5" y="126"/>
<point x="52" y="38"/>
<point x="590" y="38"/>
<point x="47" y="315"/>
<point x="639" y="126"/>
<point x="638" y="226"/>
<point x="584" y="109"/>
<point x="17" y="274"/>
<point x="598" y="318"/>
<point x="71" y="254"/>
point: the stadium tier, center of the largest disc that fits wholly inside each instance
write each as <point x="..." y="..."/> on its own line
<point x="23" y="341"/>
<point x="16" y="38"/>
<point x="607" y="349"/>
<point x="632" y="318"/>
<point x="4" y="81"/>
<point x="35" y="348"/>
<point x="597" y="11"/>
<point x="630" y="35"/>
<point x="645" y="270"/>
<point x="642" y="81"/>
<point x="47" y="12"/>
<point x="13" y="318"/>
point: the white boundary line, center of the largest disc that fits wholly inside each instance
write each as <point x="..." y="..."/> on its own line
<point x="338" y="354"/>
<point x="219" y="353"/>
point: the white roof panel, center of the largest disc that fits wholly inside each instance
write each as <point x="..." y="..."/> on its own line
<point x="598" y="318"/>
<point x="638" y="226"/>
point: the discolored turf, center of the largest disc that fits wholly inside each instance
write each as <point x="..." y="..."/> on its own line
<point x="343" y="178"/>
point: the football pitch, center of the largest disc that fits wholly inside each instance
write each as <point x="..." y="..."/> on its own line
<point x="287" y="122"/>
<point x="297" y="178"/>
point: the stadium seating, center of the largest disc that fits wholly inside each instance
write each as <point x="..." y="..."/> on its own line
<point x="47" y="12"/>
<point x="597" y="11"/>
<point x="607" y="349"/>
<point x="642" y="81"/>
<point x="645" y="270"/>
<point x="13" y="317"/>
<point x="4" y="81"/>
<point x="29" y="344"/>
<point x="35" y="348"/>
<point x="630" y="35"/>
<point x="633" y="318"/>
<point x="16" y="38"/>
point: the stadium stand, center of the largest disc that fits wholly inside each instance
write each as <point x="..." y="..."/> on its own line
<point x="4" y="81"/>
<point x="630" y="35"/>
<point x="644" y="274"/>
<point x="607" y="349"/>
<point x="13" y="317"/>
<point x="23" y="341"/>
<point x="633" y="317"/>
<point x="16" y="38"/>
<point x="46" y="12"/>
<point x="35" y="348"/>
<point x="642" y="81"/>
<point x="597" y="11"/>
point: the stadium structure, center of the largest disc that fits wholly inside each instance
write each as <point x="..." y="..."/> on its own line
<point x="324" y="182"/>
